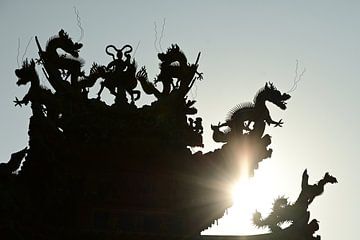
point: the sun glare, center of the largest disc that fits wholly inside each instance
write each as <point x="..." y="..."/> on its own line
<point x="249" y="194"/>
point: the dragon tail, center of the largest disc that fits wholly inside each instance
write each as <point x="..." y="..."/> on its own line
<point x="147" y="86"/>
<point x="258" y="220"/>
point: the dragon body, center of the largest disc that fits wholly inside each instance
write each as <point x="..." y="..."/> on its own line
<point x="295" y="213"/>
<point x="173" y="65"/>
<point x="256" y="113"/>
<point x="147" y="86"/>
<point x="55" y="64"/>
<point x="38" y="95"/>
<point x="89" y="81"/>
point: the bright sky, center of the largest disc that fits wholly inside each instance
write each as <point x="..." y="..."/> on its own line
<point x="243" y="45"/>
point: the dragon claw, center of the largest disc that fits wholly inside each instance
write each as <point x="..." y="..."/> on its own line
<point x="279" y="123"/>
<point x="38" y="60"/>
<point x="17" y="102"/>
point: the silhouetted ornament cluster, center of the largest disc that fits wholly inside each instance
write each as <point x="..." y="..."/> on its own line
<point x="94" y="170"/>
<point x="296" y="213"/>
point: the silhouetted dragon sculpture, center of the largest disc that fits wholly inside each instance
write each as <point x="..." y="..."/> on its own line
<point x="174" y="64"/>
<point x="42" y="99"/>
<point x="296" y="213"/>
<point x="246" y="123"/>
<point x="63" y="62"/>
<point x="256" y="113"/>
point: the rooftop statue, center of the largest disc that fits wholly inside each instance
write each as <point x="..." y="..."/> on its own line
<point x="113" y="169"/>
<point x="296" y="213"/>
<point x="243" y="115"/>
<point x="120" y="77"/>
<point x="246" y="122"/>
<point x="58" y="64"/>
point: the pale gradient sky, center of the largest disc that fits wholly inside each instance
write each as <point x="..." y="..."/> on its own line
<point x="243" y="45"/>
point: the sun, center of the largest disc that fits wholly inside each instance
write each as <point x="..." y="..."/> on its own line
<point x="249" y="194"/>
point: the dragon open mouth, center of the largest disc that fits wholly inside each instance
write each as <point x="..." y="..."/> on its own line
<point x="283" y="102"/>
<point x="75" y="53"/>
<point x="282" y="105"/>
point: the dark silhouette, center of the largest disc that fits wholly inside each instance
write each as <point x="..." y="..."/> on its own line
<point x="297" y="213"/>
<point x="120" y="75"/>
<point x="64" y="62"/>
<point x="243" y="115"/>
<point x="246" y="123"/>
<point x="99" y="171"/>
<point x="89" y="81"/>
<point x="173" y="64"/>
<point x="42" y="100"/>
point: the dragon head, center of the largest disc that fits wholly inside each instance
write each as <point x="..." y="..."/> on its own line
<point x="330" y="179"/>
<point x="275" y="96"/>
<point x="26" y="72"/>
<point x="68" y="45"/>
<point x="173" y="56"/>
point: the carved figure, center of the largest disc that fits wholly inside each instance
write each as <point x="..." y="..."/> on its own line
<point x="242" y="116"/>
<point x="174" y="65"/>
<point x="295" y="213"/>
<point x="121" y="75"/>
<point x="218" y="135"/>
<point x="196" y="125"/>
<point x="62" y="62"/>
<point x="89" y="81"/>
<point x="37" y="94"/>
<point x="146" y="85"/>
<point x="309" y="192"/>
<point x="26" y="74"/>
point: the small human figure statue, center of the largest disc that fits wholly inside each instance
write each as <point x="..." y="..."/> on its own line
<point x="196" y="125"/>
<point x="118" y="64"/>
<point x="117" y="76"/>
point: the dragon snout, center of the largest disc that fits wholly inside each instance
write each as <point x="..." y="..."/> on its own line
<point x="286" y="96"/>
<point x="78" y="45"/>
<point x="18" y="72"/>
<point x="161" y="56"/>
<point x="21" y="81"/>
<point x="75" y="54"/>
